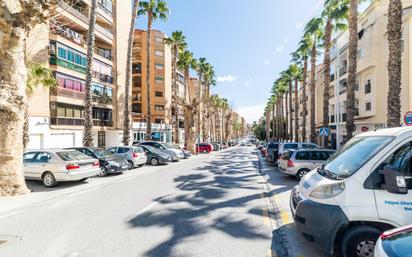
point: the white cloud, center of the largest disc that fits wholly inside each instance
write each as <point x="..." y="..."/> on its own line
<point x="286" y="40"/>
<point x="251" y="113"/>
<point x="279" y="48"/>
<point x="267" y="62"/>
<point x="299" y="25"/>
<point x="226" y="78"/>
<point x="248" y="82"/>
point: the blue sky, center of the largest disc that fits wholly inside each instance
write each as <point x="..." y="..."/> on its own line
<point x="247" y="41"/>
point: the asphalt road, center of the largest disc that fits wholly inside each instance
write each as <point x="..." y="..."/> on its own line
<point x="222" y="204"/>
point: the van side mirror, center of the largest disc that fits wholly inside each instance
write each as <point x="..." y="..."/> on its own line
<point x="395" y="180"/>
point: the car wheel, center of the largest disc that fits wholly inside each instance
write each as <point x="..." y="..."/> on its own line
<point x="154" y="162"/>
<point x="360" y="241"/>
<point x="49" y="180"/>
<point x="301" y="173"/>
<point x="102" y="172"/>
<point x="130" y="164"/>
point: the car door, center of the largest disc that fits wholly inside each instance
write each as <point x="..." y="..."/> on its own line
<point x="28" y="167"/>
<point x="39" y="165"/>
<point x="123" y="152"/>
<point x="390" y="206"/>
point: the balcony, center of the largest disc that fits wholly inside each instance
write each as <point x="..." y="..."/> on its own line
<point x="343" y="70"/>
<point x="78" y="122"/>
<point x="59" y="91"/>
<point x="68" y="33"/>
<point x="105" y="53"/>
<point x="102" y="99"/>
<point x="104" y="9"/>
<point x="102" y="77"/>
<point x="65" y="64"/>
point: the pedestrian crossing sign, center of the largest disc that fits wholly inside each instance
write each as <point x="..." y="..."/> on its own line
<point x="324" y="132"/>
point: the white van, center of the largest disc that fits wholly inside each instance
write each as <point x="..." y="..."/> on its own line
<point x="361" y="191"/>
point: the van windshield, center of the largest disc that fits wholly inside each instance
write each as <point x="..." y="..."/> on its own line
<point x="353" y="155"/>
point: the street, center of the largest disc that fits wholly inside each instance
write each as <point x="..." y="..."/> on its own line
<point x="227" y="203"/>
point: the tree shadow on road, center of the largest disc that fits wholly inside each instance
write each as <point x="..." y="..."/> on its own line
<point x="195" y="209"/>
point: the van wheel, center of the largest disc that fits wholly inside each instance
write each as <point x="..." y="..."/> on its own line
<point x="301" y="173"/>
<point x="49" y="180"/>
<point x="360" y="241"/>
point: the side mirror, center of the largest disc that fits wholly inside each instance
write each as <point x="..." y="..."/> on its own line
<point x="395" y="180"/>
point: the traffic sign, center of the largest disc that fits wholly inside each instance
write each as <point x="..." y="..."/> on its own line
<point x="324" y="132"/>
<point x="408" y="118"/>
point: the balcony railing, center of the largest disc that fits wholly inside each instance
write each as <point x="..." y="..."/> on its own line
<point x="102" y="99"/>
<point x="59" y="91"/>
<point x="343" y="70"/>
<point x="65" y="64"/>
<point x="102" y="77"/>
<point x="104" y="31"/>
<point x="104" y="9"/>
<point x="106" y="53"/>
<point x="78" y="122"/>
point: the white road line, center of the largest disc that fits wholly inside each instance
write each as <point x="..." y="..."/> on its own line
<point x="74" y="254"/>
<point x="11" y="214"/>
<point x="147" y="208"/>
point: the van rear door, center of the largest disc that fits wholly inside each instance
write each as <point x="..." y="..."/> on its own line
<point x="393" y="207"/>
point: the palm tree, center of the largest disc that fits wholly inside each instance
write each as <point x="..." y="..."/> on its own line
<point x="395" y="62"/>
<point x="88" y="107"/>
<point x="209" y="80"/>
<point x="287" y="78"/>
<point x="314" y="33"/>
<point x="296" y="76"/>
<point x="334" y="11"/>
<point x="201" y="66"/>
<point x="127" y="123"/>
<point x="38" y="75"/>
<point x="177" y="43"/>
<point x="17" y="22"/>
<point x="185" y="63"/>
<point x="154" y="9"/>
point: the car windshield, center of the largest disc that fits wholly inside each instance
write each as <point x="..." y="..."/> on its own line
<point x="102" y="153"/>
<point x="72" y="156"/>
<point x="168" y="146"/>
<point x="353" y="155"/>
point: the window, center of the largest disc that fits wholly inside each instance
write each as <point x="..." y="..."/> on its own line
<point x="320" y="156"/>
<point x="159" y="108"/>
<point x="159" y="66"/>
<point x="159" y="80"/>
<point x="309" y="146"/>
<point x="368" y="106"/>
<point x="158" y="53"/>
<point x="159" y="94"/>
<point x="28" y="157"/>
<point x="137" y="108"/>
<point x="42" y="157"/>
<point x="159" y="121"/>
<point x="137" y="68"/>
<point x="71" y="55"/>
<point x="123" y="150"/>
<point x="361" y="53"/>
<point x="303" y="155"/>
<point x="159" y="39"/>
<point x="290" y="146"/>
<point x="113" y="150"/>
<point x="62" y="53"/>
<point x="368" y="86"/>
<point x="61" y="111"/>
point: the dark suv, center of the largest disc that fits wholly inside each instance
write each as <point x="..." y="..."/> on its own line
<point x="272" y="152"/>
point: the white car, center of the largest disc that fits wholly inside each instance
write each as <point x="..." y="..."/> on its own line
<point x="176" y="153"/>
<point x="395" y="243"/>
<point x="358" y="193"/>
<point x="53" y="166"/>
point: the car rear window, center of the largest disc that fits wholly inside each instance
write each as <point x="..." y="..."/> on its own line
<point x="138" y="150"/>
<point x="291" y="146"/>
<point x="72" y="156"/>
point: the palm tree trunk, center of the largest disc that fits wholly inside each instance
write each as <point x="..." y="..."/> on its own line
<point x="290" y="133"/>
<point x="26" y="135"/>
<point x="13" y="75"/>
<point x="305" y="71"/>
<point x="199" y="110"/>
<point x="267" y="115"/>
<point x="395" y="62"/>
<point x="326" y="75"/>
<point x="127" y="121"/>
<point x="312" y="94"/>
<point x="284" y="114"/>
<point x="88" y="107"/>
<point x="148" y="90"/>
<point x="175" y="96"/>
<point x="296" y="112"/>
<point x="352" y="68"/>
<point x="273" y="122"/>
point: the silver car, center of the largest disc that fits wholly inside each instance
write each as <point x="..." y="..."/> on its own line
<point x="299" y="162"/>
<point x="53" y="166"/>
<point x="134" y="155"/>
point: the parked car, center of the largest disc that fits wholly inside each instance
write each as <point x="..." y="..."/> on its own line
<point x="109" y="163"/>
<point x="174" y="152"/>
<point x="203" y="148"/>
<point x="53" y="166"/>
<point x="187" y="154"/>
<point x="271" y="154"/>
<point x="395" y="243"/>
<point x="134" y="155"/>
<point x="361" y="191"/>
<point x="156" y="156"/>
<point x="286" y="146"/>
<point x="216" y="146"/>
<point x="263" y="150"/>
<point x="298" y="163"/>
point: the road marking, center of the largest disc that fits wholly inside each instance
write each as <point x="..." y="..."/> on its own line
<point x="147" y="208"/>
<point x="283" y="212"/>
<point x="11" y="214"/>
<point x="74" y="254"/>
<point x="272" y="253"/>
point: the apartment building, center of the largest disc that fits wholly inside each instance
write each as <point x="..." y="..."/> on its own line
<point x="161" y="86"/>
<point x="56" y="115"/>
<point x="372" y="75"/>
